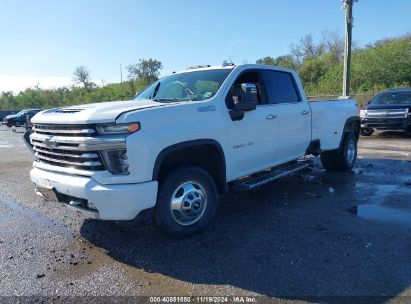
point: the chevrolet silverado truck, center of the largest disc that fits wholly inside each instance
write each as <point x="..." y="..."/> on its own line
<point x="389" y="110"/>
<point x="186" y="139"/>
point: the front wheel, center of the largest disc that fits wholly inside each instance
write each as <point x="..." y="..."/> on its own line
<point x="17" y="124"/>
<point x="186" y="203"/>
<point x="344" y="159"/>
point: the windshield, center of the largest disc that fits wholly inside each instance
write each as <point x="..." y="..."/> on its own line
<point x="189" y="86"/>
<point x="392" y="98"/>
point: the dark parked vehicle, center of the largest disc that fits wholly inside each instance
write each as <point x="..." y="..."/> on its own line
<point x="388" y="110"/>
<point x="20" y="118"/>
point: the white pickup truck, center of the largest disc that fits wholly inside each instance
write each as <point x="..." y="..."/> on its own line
<point x="186" y="139"/>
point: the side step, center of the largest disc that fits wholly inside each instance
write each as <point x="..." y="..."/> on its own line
<point x="250" y="183"/>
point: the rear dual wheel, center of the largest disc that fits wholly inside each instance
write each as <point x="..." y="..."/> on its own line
<point x="344" y="159"/>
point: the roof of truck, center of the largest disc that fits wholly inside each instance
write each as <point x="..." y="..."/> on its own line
<point x="230" y="66"/>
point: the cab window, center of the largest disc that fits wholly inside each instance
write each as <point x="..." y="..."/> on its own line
<point x="282" y="87"/>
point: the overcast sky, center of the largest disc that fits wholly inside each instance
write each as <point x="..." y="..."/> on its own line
<point x="43" y="41"/>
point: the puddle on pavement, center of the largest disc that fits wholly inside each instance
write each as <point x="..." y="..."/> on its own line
<point x="37" y="218"/>
<point x="378" y="209"/>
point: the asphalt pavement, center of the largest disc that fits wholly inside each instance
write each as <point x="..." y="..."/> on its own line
<point x="311" y="237"/>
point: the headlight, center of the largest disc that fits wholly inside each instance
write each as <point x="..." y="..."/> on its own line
<point x="116" y="161"/>
<point x="363" y="113"/>
<point x="118" y="128"/>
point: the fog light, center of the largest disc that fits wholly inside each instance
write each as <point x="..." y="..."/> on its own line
<point x="116" y="161"/>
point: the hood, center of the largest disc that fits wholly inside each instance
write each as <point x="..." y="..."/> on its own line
<point x="11" y="116"/>
<point x="104" y="112"/>
<point x="386" y="106"/>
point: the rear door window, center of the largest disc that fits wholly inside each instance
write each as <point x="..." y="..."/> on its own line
<point x="281" y="86"/>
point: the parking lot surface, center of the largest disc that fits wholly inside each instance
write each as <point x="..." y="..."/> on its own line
<point x="311" y="237"/>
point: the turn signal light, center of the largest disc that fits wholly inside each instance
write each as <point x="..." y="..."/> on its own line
<point x="133" y="127"/>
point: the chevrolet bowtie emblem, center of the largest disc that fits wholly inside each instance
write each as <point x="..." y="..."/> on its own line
<point x="50" y="142"/>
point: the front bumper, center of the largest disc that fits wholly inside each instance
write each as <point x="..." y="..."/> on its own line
<point x="113" y="202"/>
<point x="387" y="124"/>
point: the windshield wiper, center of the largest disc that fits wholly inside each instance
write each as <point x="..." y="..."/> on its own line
<point x="166" y="100"/>
<point x="187" y="89"/>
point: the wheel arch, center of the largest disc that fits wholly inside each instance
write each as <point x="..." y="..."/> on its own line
<point x="352" y="125"/>
<point x="211" y="158"/>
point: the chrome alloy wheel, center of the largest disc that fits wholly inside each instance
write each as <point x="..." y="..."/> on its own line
<point x="188" y="203"/>
<point x="351" y="151"/>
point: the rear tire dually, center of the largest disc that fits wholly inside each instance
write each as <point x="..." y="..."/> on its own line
<point x="343" y="159"/>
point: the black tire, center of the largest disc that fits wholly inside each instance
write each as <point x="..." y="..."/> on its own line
<point x="344" y="159"/>
<point x="17" y="124"/>
<point x="366" y="131"/>
<point x="202" y="207"/>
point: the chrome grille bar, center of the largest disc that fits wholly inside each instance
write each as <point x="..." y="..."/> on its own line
<point x="64" y="132"/>
<point x="82" y="143"/>
<point x="390" y="113"/>
<point x="83" y="155"/>
<point x="75" y="164"/>
<point x="74" y="146"/>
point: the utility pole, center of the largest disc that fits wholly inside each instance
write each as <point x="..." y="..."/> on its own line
<point x="121" y="82"/>
<point x="347" y="6"/>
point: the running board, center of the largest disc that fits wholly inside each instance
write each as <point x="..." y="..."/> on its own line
<point x="250" y="183"/>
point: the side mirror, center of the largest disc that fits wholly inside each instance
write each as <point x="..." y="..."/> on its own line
<point x="244" y="97"/>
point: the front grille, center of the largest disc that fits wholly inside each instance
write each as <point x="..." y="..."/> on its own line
<point x="387" y="114"/>
<point x="64" y="145"/>
<point x="65" y="130"/>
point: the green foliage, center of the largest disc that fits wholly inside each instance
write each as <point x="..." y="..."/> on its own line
<point x="87" y="93"/>
<point x="146" y="70"/>
<point x="384" y="64"/>
<point x="376" y="67"/>
<point x="286" y="61"/>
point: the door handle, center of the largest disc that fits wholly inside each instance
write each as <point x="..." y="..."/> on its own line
<point x="271" y="116"/>
<point x="305" y="112"/>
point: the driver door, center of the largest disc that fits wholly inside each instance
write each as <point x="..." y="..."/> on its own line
<point x="254" y="138"/>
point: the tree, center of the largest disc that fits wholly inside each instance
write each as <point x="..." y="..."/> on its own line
<point x="285" y="61"/>
<point x="312" y="70"/>
<point x="333" y="42"/>
<point x="306" y="48"/>
<point x="82" y="75"/>
<point x="266" y="60"/>
<point x="146" y="71"/>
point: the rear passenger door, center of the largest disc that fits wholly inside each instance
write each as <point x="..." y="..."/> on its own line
<point x="294" y="114"/>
